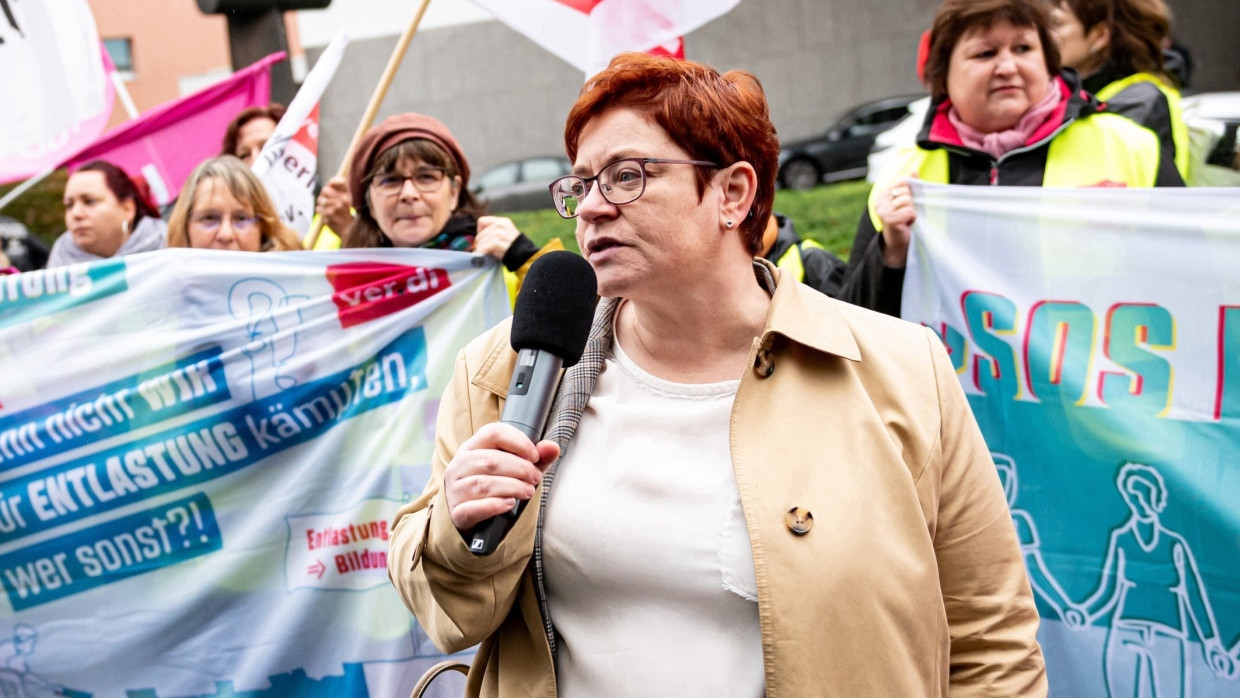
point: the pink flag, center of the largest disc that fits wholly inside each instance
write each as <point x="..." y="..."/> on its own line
<point x="57" y="95"/>
<point x="588" y="33"/>
<point x="166" y="143"/>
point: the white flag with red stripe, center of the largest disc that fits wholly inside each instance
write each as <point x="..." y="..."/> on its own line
<point x="288" y="161"/>
<point x="588" y="33"/>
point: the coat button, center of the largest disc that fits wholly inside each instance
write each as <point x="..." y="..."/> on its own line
<point x="763" y="364"/>
<point x="799" y="520"/>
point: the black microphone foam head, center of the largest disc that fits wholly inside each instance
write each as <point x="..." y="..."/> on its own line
<point x="555" y="307"/>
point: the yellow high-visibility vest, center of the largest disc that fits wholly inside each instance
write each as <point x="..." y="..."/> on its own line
<point x="1179" y="129"/>
<point x="1098" y="150"/>
<point x="792" y="262"/>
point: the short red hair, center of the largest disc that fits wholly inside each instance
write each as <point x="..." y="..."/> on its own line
<point x="720" y="118"/>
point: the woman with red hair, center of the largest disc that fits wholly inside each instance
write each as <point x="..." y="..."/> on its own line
<point x="758" y="490"/>
<point x="106" y="215"/>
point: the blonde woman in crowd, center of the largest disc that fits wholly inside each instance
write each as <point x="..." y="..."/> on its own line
<point x="223" y="206"/>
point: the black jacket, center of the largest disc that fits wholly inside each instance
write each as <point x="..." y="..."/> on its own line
<point x="1142" y="102"/>
<point x="822" y="270"/>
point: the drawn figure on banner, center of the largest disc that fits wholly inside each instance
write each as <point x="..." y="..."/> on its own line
<point x="8" y="14"/>
<point x="271" y="317"/>
<point x="1235" y="660"/>
<point x="1151" y="585"/>
<point x="16" y="679"/>
<point x="1040" y="578"/>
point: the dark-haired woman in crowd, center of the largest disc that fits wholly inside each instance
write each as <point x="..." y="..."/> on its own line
<point x="249" y="130"/>
<point x="106" y="215"/>
<point x="1001" y="114"/>
<point x="223" y="206"/>
<point x="409" y="181"/>
<point x="1117" y="47"/>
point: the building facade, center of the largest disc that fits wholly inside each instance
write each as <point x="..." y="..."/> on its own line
<point x="505" y="97"/>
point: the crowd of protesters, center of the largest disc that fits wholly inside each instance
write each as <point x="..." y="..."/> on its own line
<point x="1024" y="93"/>
<point x="1034" y="93"/>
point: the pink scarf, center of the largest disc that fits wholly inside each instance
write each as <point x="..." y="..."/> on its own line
<point x="997" y="143"/>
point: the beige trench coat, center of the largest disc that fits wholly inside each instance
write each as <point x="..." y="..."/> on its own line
<point x="908" y="581"/>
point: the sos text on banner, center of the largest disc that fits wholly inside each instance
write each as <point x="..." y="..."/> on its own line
<point x="200" y="454"/>
<point x="1097" y="335"/>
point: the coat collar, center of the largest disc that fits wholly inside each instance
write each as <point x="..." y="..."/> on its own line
<point x="806" y="316"/>
<point x="797" y="312"/>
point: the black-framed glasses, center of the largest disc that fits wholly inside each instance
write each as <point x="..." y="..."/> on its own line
<point x="621" y="182"/>
<point x="425" y="180"/>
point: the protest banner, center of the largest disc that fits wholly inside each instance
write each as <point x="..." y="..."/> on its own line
<point x="166" y="143"/>
<point x="200" y="455"/>
<point x="588" y="33"/>
<point x="57" y="94"/>
<point x="289" y="159"/>
<point x="1097" y="335"/>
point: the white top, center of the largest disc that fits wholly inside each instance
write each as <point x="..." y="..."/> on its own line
<point x="649" y="570"/>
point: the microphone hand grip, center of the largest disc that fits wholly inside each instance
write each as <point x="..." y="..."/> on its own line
<point x="529" y="401"/>
<point x="486" y="536"/>
<point x="550" y="326"/>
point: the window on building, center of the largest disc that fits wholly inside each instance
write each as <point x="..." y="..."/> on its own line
<point x="121" y="53"/>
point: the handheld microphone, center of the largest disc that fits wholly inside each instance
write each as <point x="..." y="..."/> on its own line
<point x="550" y="326"/>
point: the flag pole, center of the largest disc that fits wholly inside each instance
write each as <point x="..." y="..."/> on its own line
<point x="372" y="109"/>
<point x="123" y="92"/>
<point x="25" y="186"/>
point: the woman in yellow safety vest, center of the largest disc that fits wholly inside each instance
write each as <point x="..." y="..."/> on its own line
<point x="1116" y="46"/>
<point x="1001" y="114"/>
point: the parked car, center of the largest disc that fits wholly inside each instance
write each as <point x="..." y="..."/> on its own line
<point x="24" y="251"/>
<point x="840" y="152"/>
<point x="520" y="185"/>
<point x="903" y="133"/>
<point x="1213" y="119"/>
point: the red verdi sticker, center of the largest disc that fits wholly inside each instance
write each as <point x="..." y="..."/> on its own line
<point x="365" y="291"/>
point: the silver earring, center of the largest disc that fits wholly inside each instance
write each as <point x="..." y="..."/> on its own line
<point x="728" y="223"/>
<point x="125" y="227"/>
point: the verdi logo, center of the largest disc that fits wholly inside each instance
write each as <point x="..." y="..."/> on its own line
<point x="366" y="291"/>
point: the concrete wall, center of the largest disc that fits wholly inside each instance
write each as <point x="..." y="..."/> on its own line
<point x="504" y="97"/>
<point x="1210" y="29"/>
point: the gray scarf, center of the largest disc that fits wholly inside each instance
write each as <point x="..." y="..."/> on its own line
<point x="150" y="234"/>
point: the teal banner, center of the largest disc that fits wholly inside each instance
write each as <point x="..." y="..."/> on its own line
<point x="1097" y="334"/>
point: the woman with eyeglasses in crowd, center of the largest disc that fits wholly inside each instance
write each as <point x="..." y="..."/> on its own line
<point x="409" y="183"/>
<point x="223" y="206"/>
<point x="746" y="488"/>
<point x="106" y="215"/>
